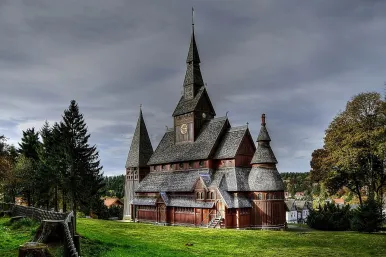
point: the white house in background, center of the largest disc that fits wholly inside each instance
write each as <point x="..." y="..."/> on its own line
<point x="291" y="214"/>
<point x="297" y="211"/>
<point x="303" y="208"/>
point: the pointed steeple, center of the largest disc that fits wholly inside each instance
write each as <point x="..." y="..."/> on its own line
<point x="193" y="52"/>
<point x="141" y="148"/>
<point x="264" y="153"/>
<point x="193" y="79"/>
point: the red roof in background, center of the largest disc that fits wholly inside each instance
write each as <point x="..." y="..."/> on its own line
<point x="338" y="201"/>
<point x="110" y="201"/>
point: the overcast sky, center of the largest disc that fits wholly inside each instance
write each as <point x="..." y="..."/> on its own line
<point x="297" y="61"/>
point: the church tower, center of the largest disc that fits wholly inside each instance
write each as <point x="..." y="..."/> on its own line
<point x="136" y="164"/>
<point x="268" y="207"/>
<point x="194" y="107"/>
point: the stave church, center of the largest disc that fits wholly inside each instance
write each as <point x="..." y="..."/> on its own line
<point x="204" y="172"/>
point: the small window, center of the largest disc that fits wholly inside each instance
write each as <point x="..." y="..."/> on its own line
<point x="259" y="196"/>
<point x="201" y="163"/>
<point x="171" y="166"/>
<point x="181" y="164"/>
<point x="191" y="164"/>
<point x="163" y="166"/>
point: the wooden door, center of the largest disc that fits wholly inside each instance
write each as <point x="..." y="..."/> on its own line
<point x="198" y="217"/>
<point x="162" y="213"/>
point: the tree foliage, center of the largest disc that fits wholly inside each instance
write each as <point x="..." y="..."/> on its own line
<point x="82" y="178"/>
<point x="354" y="148"/>
<point x="115" y="186"/>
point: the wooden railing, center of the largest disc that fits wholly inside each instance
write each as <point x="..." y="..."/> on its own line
<point x="207" y="217"/>
<point x="67" y="220"/>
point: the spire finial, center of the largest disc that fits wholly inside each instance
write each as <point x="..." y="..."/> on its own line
<point x="140" y="107"/>
<point x="226" y="114"/>
<point x="247" y="124"/>
<point x="192" y="18"/>
<point x="263" y="119"/>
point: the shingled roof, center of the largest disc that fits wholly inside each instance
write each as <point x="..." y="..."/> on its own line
<point x="233" y="179"/>
<point x="141" y="148"/>
<point x="177" y="181"/>
<point x="185" y="106"/>
<point x="231" y="142"/>
<point x="265" y="179"/>
<point x="263" y="153"/>
<point x="204" y="146"/>
<point x="193" y="52"/>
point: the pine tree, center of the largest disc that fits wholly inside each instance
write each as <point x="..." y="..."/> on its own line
<point x="29" y="148"/>
<point x="83" y="175"/>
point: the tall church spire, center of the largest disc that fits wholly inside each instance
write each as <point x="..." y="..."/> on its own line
<point x="193" y="52"/>
<point x="141" y="148"/>
<point x="193" y="78"/>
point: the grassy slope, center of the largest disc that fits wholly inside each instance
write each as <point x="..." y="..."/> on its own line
<point x="11" y="237"/>
<point x="111" y="238"/>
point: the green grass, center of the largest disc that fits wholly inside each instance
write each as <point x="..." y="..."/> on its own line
<point x="115" y="239"/>
<point x="15" y="234"/>
<point x="112" y="238"/>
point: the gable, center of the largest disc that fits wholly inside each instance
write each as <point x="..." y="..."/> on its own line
<point x="247" y="146"/>
<point x="170" y="152"/>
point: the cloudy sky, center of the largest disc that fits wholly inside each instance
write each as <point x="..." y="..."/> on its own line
<point x="297" y="61"/>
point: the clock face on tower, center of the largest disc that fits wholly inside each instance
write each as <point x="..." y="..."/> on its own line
<point x="184" y="129"/>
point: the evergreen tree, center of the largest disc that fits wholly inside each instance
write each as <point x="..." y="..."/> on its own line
<point x="82" y="178"/>
<point x="29" y="148"/>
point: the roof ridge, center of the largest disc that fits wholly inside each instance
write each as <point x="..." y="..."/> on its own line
<point x="238" y="128"/>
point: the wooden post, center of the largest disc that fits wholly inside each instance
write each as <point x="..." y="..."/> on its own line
<point x="33" y="249"/>
<point x="77" y="243"/>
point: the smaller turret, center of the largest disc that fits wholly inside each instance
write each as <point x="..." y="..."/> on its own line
<point x="264" y="153"/>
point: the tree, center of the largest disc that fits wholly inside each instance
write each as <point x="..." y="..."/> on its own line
<point x="30" y="144"/>
<point x="82" y="178"/>
<point x="354" y="147"/>
<point x="9" y="182"/>
<point x="115" y="186"/>
<point x="29" y="148"/>
<point x="319" y="170"/>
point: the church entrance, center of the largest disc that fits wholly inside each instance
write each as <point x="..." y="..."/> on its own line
<point x="162" y="213"/>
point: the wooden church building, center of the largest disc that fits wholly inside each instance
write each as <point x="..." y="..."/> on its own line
<point x="204" y="172"/>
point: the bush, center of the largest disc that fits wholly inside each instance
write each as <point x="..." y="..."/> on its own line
<point x="80" y="215"/>
<point x="330" y="217"/>
<point x="368" y="217"/>
<point x="114" y="211"/>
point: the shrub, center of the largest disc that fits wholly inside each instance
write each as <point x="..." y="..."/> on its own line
<point x="80" y="215"/>
<point x="330" y="217"/>
<point x="368" y="217"/>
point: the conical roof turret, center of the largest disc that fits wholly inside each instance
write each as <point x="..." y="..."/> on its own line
<point x="141" y="148"/>
<point x="264" y="153"/>
<point x="264" y="175"/>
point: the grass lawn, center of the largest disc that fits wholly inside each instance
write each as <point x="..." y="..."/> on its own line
<point x="12" y="236"/>
<point x="114" y="239"/>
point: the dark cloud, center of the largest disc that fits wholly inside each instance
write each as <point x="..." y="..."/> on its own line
<point x="297" y="61"/>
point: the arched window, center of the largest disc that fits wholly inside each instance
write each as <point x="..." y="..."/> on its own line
<point x="198" y="195"/>
<point x="259" y="196"/>
<point x="181" y="165"/>
<point x="211" y="195"/>
<point x="208" y="195"/>
<point x="201" y="163"/>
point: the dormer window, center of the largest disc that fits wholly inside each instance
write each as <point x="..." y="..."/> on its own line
<point x="201" y="163"/>
<point x="191" y="164"/>
<point x="163" y="166"/>
<point x="181" y="165"/>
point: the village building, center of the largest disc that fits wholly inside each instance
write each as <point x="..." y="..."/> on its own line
<point x="204" y="172"/>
